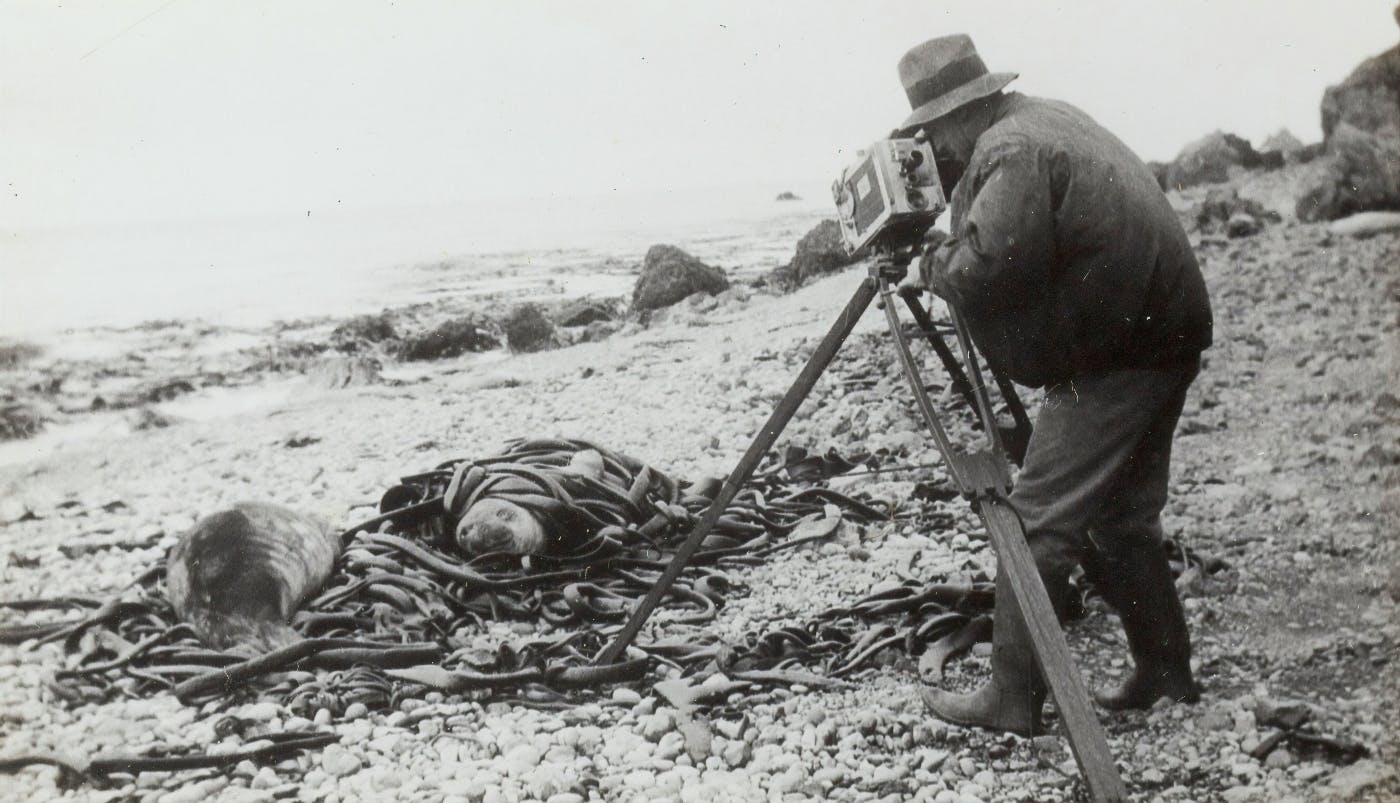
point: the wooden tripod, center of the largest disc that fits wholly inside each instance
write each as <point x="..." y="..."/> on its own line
<point x="982" y="476"/>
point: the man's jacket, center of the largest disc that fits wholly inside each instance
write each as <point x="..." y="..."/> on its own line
<point x="1065" y="257"/>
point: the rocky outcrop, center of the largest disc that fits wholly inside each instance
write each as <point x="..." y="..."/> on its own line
<point x="1361" y="173"/>
<point x="451" y="339"/>
<point x="1208" y="161"/>
<point x="819" y="252"/>
<point x="670" y="274"/>
<point x="1368" y="99"/>
<point x="1361" y="126"/>
<point x="528" y="330"/>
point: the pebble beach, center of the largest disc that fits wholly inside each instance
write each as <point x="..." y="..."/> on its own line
<point x="1285" y="470"/>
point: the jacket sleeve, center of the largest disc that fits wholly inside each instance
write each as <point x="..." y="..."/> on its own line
<point x="1003" y="248"/>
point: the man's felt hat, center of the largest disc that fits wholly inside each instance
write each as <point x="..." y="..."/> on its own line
<point x="942" y="74"/>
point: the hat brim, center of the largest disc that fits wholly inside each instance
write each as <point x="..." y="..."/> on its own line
<point x="979" y="87"/>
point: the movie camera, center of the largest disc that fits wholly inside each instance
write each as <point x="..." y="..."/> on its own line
<point x="889" y="196"/>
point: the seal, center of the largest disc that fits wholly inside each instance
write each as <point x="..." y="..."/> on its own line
<point x="494" y="524"/>
<point x="239" y="575"/>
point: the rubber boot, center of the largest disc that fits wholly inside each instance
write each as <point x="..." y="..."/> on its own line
<point x="1139" y="585"/>
<point x="1011" y="701"/>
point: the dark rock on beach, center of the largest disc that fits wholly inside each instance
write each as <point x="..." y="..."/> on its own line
<point x="19" y="421"/>
<point x="1361" y="126"/>
<point x="584" y="311"/>
<point x="1361" y="173"/>
<point x="820" y="251"/>
<point x="451" y="338"/>
<point x="527" y="329"/>
<point x="670" y="274"/>
<point x="1368" y="99"/>
<point x="356" y="333"/>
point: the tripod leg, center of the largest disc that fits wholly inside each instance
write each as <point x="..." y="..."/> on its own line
<point x="762" y="442"/>
<point x="945" y="354"/>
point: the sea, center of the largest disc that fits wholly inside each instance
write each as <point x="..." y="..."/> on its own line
<point x="251" y="272"/>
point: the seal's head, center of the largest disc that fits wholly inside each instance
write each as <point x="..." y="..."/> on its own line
<point x="497" y="525"/>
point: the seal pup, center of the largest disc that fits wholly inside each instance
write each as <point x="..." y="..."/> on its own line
<point x="239" y="575"/>
<point x="500" y="525"/>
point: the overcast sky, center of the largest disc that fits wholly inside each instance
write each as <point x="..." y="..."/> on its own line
<point x="157" y="109"/>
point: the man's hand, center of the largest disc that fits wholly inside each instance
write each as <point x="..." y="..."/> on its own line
<point x="924" y="278"/>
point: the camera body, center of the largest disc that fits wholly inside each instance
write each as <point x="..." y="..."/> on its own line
<point x="889" y="196"/>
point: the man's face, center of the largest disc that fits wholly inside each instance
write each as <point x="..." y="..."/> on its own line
<point x="953" y="141"/>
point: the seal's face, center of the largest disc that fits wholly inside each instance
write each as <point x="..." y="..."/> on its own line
<point x="495" y="525"/>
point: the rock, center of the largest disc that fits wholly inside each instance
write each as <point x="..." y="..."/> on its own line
<point x="1208" y="160"/>
<point x="1368" y="99"/>
<point x="584" y="311"/>
<point x="1350" y="782"/>
<point x="19" y="421"/>
<point x="1361" y="173"/>
<point x="1241" y="794"/>
<point x="1242" y="225"/>
<point x="737" y="754"/>
<point x="1217" y="719"/>
<point x="1279" y="758"/>
<point x="164" y="391"/>
<point x="360" y="331"/>
<point x="1283" y="143"/>
<point x="654" y="726"/>
<point x="338" y="762"/>
<point x="265" y="779"/>
<point x="528" y="330"/>
<point x="350" y="370"/>
<point x="626" y="696"/>
<point x="144" y="418"/>
<point x="195" y="792"/>
<point x="787" y="195"/>
<point x="1366" y="224"/>
<point x="670" y="274"/>
<point x="260" y="712"/>
<point x="820" y="251"/>
<point x="450" y="339"/>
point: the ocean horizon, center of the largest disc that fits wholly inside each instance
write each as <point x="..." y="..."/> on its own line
<point x="254" y="271"/>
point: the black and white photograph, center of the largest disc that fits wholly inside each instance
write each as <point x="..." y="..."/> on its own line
<point x="550" y="402"/>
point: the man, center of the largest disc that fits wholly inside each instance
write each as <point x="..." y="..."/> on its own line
<point x="1073" y="274"/>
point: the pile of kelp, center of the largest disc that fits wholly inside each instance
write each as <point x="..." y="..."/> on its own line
<point x="403" y="609"/>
